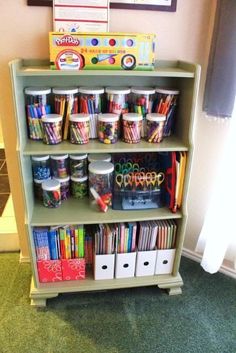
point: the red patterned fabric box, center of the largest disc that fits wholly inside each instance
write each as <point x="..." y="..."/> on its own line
<point x="49" y="271"/>
<point x="73" y="269"/>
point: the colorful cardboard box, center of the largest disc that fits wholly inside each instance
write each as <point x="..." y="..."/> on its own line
<point x="49" y="271"/>
<point x="104" y="51"/>
<point x="73" y="269"/>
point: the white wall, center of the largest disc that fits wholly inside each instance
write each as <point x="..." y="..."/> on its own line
<point x="183" y="35"/>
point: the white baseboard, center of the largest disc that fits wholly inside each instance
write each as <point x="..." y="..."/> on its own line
<point x="227" y="268"/>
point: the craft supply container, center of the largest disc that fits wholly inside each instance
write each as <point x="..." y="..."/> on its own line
<point x="52" y="129"/>
<point x="117" y="100"/>
<point x="90" y="102"/>
<point x="102" y="157"/>
<point x="141" y="103"/>
<point x="100" y="179"/>
<point x="79" y="187"/>
<point x="51" y="193"/>
<point x="78" y="165"/>
<point x="155" y="126"/>
<point x="41" y="167"/>
<point x="60" y="166"/>
<point x="132" y="125"/>
<point x="38" y="191"/>
<point x="37" y="104"/>
<point x="65" y="104"/>
<point x="64" y="187"/>
<point x="166" y="103"/>
<point x="79" y="128"/>
<point x="108" y="128"/>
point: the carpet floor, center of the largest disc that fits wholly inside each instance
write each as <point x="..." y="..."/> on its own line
<point x="142" y="320"/>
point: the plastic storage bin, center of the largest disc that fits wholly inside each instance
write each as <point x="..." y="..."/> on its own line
<point x="101" y="157"/>
<point x="132" y="125"/>
<point x="117" y="100"/>
<point x="41" y="167"/>
<point x="64" y="187"/>
<point x="51" y="193"/>
<point x="79" y="128"/>
<point x="142" y="102"/>
<point x="108" y="128"/>
<point x="166" y="103"/>
<point x="65" y="104"/>
<point x="52" y="129"/>
<point x="78" y="165"/>
<point x="37" y="105"/>
<point x="90" y="102"/>
<point x="155" y="126"/>
<point x="60" y="166"/>
<point x="100" y="179"/>
<point x="79" y="187"/>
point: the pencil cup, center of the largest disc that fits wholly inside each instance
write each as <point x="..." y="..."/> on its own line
<point x="166" y="103"/>
<point x="145" y="265"/>
<point x="141" y="103"/>
<point x="90" y="102"/>
<point x="79" y="128"/>
<point x="41" y="167"/>
<point x="52" y="129"/>
<point x="78" y="165"/>
<point x="104" y="266"/>
<point x="51" y="193"/>
<point x="108" y="128"/>
<point x="155" y="126"/>
<point x="59" y="166"/>
<point x="37" y="105"/>
<point x="125" y="265"/>
<point x="65" y="104"/>
<point x="132" y="125"/>
<point x="117" y="100"/>
<point x="64" y="187"/>
<point x="79" y="187"/>
<point x="165" y="261"/>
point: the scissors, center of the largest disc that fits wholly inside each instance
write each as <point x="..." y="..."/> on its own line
<point x="138" y="179"/>
<point x="153" y="178"/>
<point x="124" y="180"/>
<point x="126" y="167"/>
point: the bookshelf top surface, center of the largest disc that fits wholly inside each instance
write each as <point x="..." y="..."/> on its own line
<point x="162" y="69"/>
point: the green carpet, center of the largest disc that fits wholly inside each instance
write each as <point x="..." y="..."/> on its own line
<point x="142" y="320"/>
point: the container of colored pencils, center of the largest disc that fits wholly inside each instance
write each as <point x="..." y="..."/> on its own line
<point x="90" y="102"/>
<point x="79" y="128"/>
<point x="166" y="103"/>
<point x="37" y="105"/>
<point x="142" y="102"/>
<point x="65" y="104"/>
<point x="108" y="128"/>
<point x="117" y="100"/>
<point x="52" y="129"/>
<point x="132" y="125"/>
<point x="155" y="125"/>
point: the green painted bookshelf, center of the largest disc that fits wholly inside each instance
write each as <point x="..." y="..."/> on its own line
<point x="167" y="74"/>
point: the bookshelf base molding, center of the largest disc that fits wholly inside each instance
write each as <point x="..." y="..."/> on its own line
<point x="40" y="294"/>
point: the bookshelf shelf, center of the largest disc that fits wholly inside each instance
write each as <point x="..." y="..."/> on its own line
<point x="167" y="74"/>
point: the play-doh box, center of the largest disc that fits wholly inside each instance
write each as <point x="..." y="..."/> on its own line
<point x="104" y="51"/>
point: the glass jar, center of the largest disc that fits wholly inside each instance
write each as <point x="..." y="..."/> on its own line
<point x="142" y="102"/>
<point x="65" y="104"/>
<point x="166" y="103"/>
<point x="155" y="126"/>
<point x="79" y="128"/>
<point x="37" y="105"/>
<point x="102" y="157"/>
<point x="52" y="129"/>
<point x="132" y="125"/>
<point x="64" y="187"/>
<point x="78" y="165"/>
<point x="79" y="187"/>
<point x="90" y="102"/>
<point x="41" y="167"/>
<point x="51" y="193"/>
<point x="100" y="180"/>
<point x="108" y="128"/>
<point x="59" y="166"/>
<point x="117" y="100"/>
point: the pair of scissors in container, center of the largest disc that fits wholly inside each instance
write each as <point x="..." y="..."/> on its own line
<point x="147" y="179"/>
<point x="125" y="168"/>
<point x="123" y="180"/>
